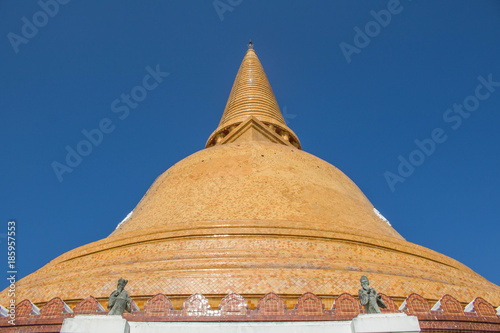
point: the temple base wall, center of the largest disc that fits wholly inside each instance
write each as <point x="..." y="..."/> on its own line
<point x="381" y="323"/>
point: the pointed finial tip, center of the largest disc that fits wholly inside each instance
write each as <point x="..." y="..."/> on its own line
<point x="250" y="45"/>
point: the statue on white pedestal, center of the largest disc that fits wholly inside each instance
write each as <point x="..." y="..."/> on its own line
<point x="119" y="300"/>
<point x="368" y="297"/>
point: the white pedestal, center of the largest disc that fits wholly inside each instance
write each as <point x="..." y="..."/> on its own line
<point x="95" y="324"/>
<point x="385" y="322"/>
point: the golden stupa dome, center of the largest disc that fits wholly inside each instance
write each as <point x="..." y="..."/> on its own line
<point x="253" y="213"/>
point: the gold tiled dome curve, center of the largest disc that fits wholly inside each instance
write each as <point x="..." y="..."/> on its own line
<point x="252" y="214"/>
<point x="252" y="218"/>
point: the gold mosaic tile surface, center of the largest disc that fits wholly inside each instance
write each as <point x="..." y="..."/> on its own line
<point x="251" y="219"/>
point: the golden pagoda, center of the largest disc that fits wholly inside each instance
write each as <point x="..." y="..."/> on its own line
<point x="252" y="213"/>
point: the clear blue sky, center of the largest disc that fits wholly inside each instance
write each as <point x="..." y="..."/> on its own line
<point x="359" y="116"/>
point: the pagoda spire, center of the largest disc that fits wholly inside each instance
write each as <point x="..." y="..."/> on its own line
<point x="252" y="97"/>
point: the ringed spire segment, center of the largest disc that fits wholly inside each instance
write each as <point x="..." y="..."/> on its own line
<point x="252" y="96"/>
